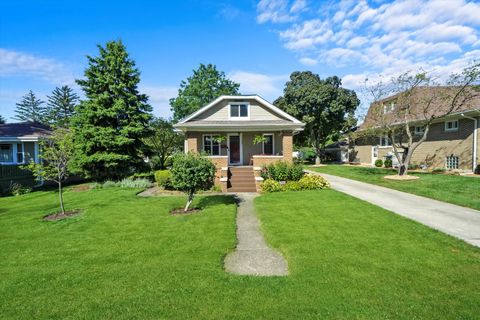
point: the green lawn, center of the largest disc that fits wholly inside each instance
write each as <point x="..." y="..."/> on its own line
<point x="125" y="257"/>
<point x="463" y="191"/>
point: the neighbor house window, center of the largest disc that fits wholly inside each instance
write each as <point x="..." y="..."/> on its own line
<point x="239" y="111"/>
<point x="388" y="107"/>
<point x="20" y="156"/>
<point x="385" y="142"/>
<point x="451" y="125"/>
<point x="268" y="144"/>
<point x="6" y="153"/>
<point x="419" y="130"/>
<point x="211" y="145"/>
<point x="451" y="162"/>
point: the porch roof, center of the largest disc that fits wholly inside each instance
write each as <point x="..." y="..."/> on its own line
<point x="23" y="131"/>
<point x="229" y="125"/>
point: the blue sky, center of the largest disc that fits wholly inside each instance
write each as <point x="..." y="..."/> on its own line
<point x="257" y="43"/>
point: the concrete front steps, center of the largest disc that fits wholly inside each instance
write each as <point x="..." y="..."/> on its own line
<point x="241" y="179"/>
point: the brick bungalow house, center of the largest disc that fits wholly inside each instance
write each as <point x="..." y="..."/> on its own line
<point x="240" y="134"/>
<point x="452" y="142"/>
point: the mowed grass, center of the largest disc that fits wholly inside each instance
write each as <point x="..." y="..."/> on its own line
<point x="463" y="191"/>
<point x="126" y="257"/>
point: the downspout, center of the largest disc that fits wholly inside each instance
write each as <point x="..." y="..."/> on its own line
<point x="475" y="134"/>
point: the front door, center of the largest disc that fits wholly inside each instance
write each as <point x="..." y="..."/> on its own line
<point x="234" y="149"/>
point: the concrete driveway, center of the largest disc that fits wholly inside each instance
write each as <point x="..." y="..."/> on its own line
<point x="457" y="221"/>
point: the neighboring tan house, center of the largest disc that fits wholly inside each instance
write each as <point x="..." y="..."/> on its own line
<point x="452" y="141"/>
<point x="19" y="144"/>
<point x="225" y="130"/>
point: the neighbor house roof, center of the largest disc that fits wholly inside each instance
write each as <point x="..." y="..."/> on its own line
<point x="24" y="131"/>
<point x="425" y="101"/>
<point x="190" y="122"/>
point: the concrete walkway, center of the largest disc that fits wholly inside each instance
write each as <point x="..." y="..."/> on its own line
<point x="457" y="221"/>
<point x="252" y="255"/>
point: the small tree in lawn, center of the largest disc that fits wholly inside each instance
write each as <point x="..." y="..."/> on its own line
<point x="56" y="153"/>
<point x="418" y="101"/>
<point x="192" y="172"/>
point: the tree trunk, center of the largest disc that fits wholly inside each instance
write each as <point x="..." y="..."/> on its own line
<point x="317" y="160"/>
<point x="60" y="194"/>
<point x="189" y="201"/>
<point x="403" y="170"/>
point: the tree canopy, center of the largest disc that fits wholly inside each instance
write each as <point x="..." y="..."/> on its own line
<point x="326" y="108"/>
<point x="30" y="108"/>
<point x="205" y="85"/>
<point x="111" y="122"/>
<point x="2" y="120"/>
<point x="61" y="106"/>
<point x="162" y="143"/>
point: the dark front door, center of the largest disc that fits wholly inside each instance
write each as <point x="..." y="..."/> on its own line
<point x="234" y="149"/>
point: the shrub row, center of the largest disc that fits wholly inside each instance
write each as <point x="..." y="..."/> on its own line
<point x="282" y="171"/>
<point x="387" y="163"/>
<point x="125" y="183"/>
<point x="307" y="182"/>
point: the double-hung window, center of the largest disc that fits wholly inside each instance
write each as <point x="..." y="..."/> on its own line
<point x="239" y="111"/>
<point x="268" y="144"/>
<point x="385" y="142"/>
<point x="211" y="145"/>
<point x="451" y="125"/>
<point x="6" y="153"/>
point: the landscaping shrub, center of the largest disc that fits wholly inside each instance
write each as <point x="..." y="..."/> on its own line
<point x="109" y="184"/>
<point x="16" y="189"/>
<point x="439" y="170"/>
<point x="146" y="175"/>
<point x="271" y="185"/>
<point x="282" y="171"/>
<point x="477" y="169"/>
<point x="163" y="178"/>
<point x="312" y="182"/>
<point x="387" y="163"/>
<point x="292" y="186"/>
<point x="134" y="183"/>
<point x="378" y="163"/>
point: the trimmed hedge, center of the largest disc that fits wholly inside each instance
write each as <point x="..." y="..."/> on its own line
<point x="163" y="178"/>
<point x="378" y="163"/>
<point x="282" y="171"/>
<point x="388" y="163"/>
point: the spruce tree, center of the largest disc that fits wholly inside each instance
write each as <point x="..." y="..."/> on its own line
<point x="61" y="106"/>
<point x="2" y="119"/>
<point x="30" y="109"/>
<point x="110" y="123"/>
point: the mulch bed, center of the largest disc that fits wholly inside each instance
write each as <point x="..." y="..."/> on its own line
<point x="401" y="178"/>
<point x="60" y="216"/>
<point x="180" y="211"/>
<point x="81" y="188"/>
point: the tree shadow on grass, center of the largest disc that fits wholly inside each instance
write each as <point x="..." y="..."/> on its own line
<point x="207" y="201"/>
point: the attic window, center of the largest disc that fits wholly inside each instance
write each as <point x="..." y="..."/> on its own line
<point x="388" y="107"/>
<point x="239" y="111"/>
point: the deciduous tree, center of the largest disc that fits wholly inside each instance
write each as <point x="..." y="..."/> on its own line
<point x="206" y="84"/>
<point x="326" y="108"/>
<point x="163" y="142"/>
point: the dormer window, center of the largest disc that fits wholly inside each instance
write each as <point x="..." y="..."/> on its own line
<point x="239" y="111"/>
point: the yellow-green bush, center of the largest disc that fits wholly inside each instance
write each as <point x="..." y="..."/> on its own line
<point x="271" y="185"/>
<point x="312" y="182"/>
<point x="163" y="178"/>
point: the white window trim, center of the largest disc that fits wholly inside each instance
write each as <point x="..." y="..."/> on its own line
<point x="273" y="144"/>
<point x="451" y="129"/>
<point x="15" y="153"/>
<point x="421" y="132"/>
<point x="203" y="144"/>
<point x="241" y="148"/>
<point x="380" y="142"/>
<point x="239" y="118"/>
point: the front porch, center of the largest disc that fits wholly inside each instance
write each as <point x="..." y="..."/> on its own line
<point x="242" y="150"/>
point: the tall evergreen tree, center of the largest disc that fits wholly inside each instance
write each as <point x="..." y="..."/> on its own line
<point x="30" y="108"/>
<point x="61" y="106"/>
<point x="205" y="85"/>
<point x="2" y="119"/>
<point x="110" y="123"/>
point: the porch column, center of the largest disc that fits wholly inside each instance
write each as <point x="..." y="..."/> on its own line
<point x="192" y="141"/>
<point x="287" y="146"/>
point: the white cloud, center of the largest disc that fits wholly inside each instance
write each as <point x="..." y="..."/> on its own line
<point x="267" y="86"/>
<point x="159" y="98"/>
<point x="15" y="63"/>
<point x="298" y="6"/>
<point x="279" y="11"/>
<point x="376" y="37"/>
<point x="308" y="61"/>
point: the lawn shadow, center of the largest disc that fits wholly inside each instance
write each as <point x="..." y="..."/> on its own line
<point x="206" y="201"/>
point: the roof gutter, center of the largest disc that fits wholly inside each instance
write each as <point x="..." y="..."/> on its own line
<point x="475" y="134"/>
